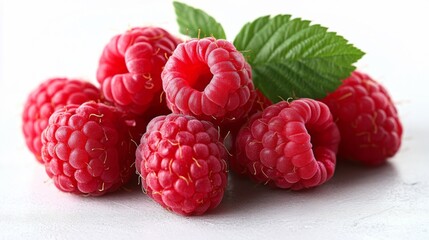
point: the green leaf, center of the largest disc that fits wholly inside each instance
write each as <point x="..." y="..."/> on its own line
<point x="292" y="58"/>
<point x="196" y="23"/>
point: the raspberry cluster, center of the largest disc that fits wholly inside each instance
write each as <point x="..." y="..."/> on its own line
<point x="87" y="136"/>
<point x="169" y="111"/>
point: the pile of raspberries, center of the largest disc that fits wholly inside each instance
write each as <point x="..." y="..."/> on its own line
<point x="176" y="116"/>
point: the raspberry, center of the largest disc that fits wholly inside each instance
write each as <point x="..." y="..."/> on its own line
<point x="49" y="96"/>
<point x="87" y="149"/>
<point x="367" y="119"/>
<point x="130" y="67"/>
<point x="182" y="164"/>
<point x="288" y="145"/>
<point x="209" y="79"/>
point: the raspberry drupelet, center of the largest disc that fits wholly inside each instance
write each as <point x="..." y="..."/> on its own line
<point x="209" y="79"/>
<point x="130" y="68"/>
<point x="49" y="96"/>
<point x="87" y="149"/>
<point x="368" y="121"/>
<point x="182" y="164"/>
<point x="288" y="145"/>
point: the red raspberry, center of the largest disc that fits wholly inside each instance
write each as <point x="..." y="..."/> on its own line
<point x="87" y="149"/>
<point x="367" y="119"/>
<point x="130" y="67"/>
<point x="209" y="79"/>
<point x="288" y="145"/>
<point x="49" y="96"/>
<point x="181" y="162"/>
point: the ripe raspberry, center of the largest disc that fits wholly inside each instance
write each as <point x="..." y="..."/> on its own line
<point x="87" y="149"/>
<point x="288" y="145"/>
<point x="209" y="79"/>
<point x="130" y="67"/>
<point x="367" y="119"/>
<point x="182" y="164"/>
<point x="49" y="96"/>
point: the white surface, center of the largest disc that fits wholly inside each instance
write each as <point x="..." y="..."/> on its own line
<point x="41" y="39"/>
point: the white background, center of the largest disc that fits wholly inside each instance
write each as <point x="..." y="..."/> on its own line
<point x="42" y="39"/>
